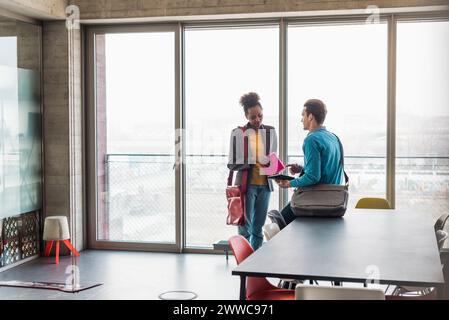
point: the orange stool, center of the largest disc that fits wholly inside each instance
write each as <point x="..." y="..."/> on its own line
<point x="56" y="229"/>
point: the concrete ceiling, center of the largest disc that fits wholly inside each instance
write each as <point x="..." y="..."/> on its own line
<point x="36" y="9"/>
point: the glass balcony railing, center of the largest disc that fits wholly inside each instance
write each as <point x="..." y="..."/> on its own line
<point x="140" y="188"/>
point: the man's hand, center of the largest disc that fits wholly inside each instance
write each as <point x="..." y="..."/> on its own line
<point x="294" y="168"/>
<point x="283" y="183"/>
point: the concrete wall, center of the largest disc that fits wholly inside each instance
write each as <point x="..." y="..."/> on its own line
<point x="62" y="125"/>
<point x="28" y="42"/>
<point x="114" y="9"/>
<point x="38" y="9"/>
<point x="62" y="116"/>
<point x="28" y="46"/>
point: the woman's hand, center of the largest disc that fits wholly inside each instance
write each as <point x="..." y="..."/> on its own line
<point x="283" y="183"/>
<point x="294" y="168"/>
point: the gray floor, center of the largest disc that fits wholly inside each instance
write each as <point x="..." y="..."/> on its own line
<point x="129" y="275"/>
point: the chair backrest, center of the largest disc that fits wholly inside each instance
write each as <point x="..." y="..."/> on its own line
<point x="441" y="222"/>
<point x="441" y="237"/>
<point x="440" y="233"/>
<point x="270" y="230"/>
<point x="309" y="292"/>
<point x="240" y="247"/>
<point x="373" y="203"/>
<point x="276" y="217"/>
<point x="242" y="250"/>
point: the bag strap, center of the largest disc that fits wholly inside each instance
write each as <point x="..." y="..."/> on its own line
<point x="245" y="172"/>
<point x="342" y="160"/>
<point x="230" y="177"/>
<point x="245" y="155"/>
<point x="268" y="142"/>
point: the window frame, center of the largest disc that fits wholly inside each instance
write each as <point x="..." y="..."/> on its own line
<point x="91" y="135"/>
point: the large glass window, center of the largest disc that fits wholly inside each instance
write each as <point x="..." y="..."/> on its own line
<point x="422" y="144"/>
<point x="343" y="64"/>
<point x="220" y="66"/>
<point x="346" y="67"/>
<point x="135" y="91"/>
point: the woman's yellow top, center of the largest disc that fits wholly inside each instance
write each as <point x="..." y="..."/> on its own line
<point x="258" y="149"/>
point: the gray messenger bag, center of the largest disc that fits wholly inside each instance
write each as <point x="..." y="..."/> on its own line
<point x="322" y="200"/>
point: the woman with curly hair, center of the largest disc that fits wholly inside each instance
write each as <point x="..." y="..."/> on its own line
<point x="259" y="140"/>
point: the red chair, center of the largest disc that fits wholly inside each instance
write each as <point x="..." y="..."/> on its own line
<point x="257" y="288"/>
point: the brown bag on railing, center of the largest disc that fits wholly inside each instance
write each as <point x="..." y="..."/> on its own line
<point x="235" y="195"/>
<point x="322" y="200"/>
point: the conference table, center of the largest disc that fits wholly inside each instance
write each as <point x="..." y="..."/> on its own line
<point x="366" y="245"/>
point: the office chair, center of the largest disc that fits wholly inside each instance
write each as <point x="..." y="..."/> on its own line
<point x="270" y="230"/>
<point x="307" y="292"/>
<point x="426" y="293"/>
<point x="441" y="238"/>
<point x="440" y="233"/>
<point x="441" y="222"/>
<point x="373" y="203"/>
<point x="257" y="288"/>
<point x="412" y="293"/>
<point x="276" y="217"/>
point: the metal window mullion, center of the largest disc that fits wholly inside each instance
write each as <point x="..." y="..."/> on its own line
<point x="90" y="135"/>
<point x="83" y="135"/>
<point x="230" y="24"/>
<point x="391" y="111"/>
<point x="283" y="136"/>
<point x="179" y="143"/>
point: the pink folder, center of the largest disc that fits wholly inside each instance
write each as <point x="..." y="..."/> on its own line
<point x="275" y="167"/>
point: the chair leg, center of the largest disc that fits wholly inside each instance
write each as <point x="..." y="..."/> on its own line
<point x="386" y="290"/>
<point x="396" y="291"/>
<point x="57" y="252"/>
<point x="71" y="248"/>
<point x="48" y="247"/>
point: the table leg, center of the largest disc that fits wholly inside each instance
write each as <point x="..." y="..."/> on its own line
<point x="440" y="292"/>
<point x="242" y="287"/>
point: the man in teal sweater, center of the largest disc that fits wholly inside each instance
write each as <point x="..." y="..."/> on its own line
<point x="322" y="156"/>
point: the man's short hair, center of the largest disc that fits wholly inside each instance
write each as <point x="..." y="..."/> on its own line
<point x="317" y="108"/>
